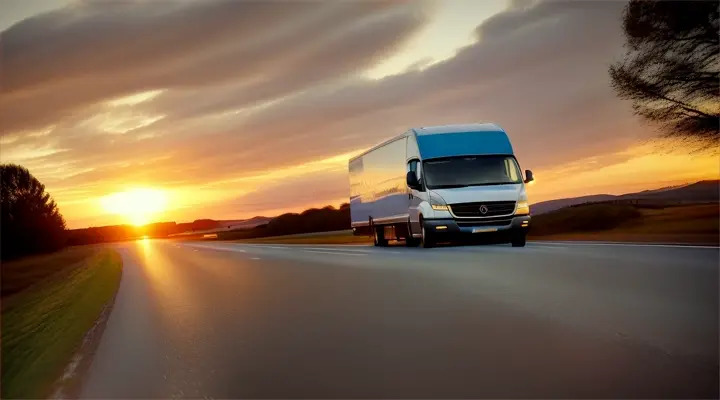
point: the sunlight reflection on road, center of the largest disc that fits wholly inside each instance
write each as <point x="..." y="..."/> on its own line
<point x="182" y="312"/>
<point x="168" y="286"/>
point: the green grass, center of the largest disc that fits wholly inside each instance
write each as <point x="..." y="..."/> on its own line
<point x="20" y="274"/>
<point x="44" y="324"/>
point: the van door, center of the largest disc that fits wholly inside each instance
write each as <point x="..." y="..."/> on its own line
<point x="416" y="196"/>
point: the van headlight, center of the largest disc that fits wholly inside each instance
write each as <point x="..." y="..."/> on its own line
<point x="438" y="204"/>
<point x="523" y="208"/>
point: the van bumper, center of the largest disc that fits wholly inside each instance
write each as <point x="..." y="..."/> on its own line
<point x="452" y="229"/>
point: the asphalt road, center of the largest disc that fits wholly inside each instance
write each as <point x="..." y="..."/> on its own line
<point x="551" y="320"/>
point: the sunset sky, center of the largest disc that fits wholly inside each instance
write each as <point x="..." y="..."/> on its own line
<point x="231" y="109"/>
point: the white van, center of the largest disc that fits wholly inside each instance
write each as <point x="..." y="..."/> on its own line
<point x="440" y="184"/>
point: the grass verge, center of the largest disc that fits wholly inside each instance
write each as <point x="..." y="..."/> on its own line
<point x="44" y="324"/>
<point x="18" y="275"/>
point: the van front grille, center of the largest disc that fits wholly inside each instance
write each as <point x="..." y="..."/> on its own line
<point x="483" y="209"/>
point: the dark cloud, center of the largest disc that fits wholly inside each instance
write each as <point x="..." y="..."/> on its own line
<point x="56" y="63"/>
<point x="335" y="56"/>
<point x="546" y="83"/>
<point x="527" y="14"/>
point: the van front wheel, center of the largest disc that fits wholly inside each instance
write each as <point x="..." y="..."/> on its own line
<point x="427" y="240"/>
<point x="518" y="239"/>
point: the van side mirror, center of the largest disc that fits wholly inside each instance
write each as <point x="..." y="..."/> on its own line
<point x="528" y="176"/>
<point x="412" y="181"/>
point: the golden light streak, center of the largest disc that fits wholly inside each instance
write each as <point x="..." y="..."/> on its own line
<point x="135" y="99"/>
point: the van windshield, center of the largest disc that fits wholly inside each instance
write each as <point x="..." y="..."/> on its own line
<point x="471" y="171"/>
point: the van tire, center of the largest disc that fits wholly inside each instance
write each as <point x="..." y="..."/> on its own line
<point x="379" y="236"/>
<point x="410" y="241"/>
<point x="427" y="241"/>
<point x="518" y="240"/>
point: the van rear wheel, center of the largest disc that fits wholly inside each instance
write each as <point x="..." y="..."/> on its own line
<point x="379" y="236"/>
<point x="410" y="241"/>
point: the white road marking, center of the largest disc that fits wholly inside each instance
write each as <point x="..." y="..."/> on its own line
<point x="353" y="250"/>
<point x="255" y="258"/>
<point x="211" y="247"/>
<point x="688" y="246"/>
<point x="546" y="246"/>
<point x="332" y="249"/>
<point x="337" y="253"/>
<point x="351" y="245"/>
<point x="296" y="246"/>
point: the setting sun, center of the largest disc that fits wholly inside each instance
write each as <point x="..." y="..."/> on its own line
<point x="139" y="206"/>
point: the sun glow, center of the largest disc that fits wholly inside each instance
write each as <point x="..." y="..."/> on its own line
<point x="139" y="206"/>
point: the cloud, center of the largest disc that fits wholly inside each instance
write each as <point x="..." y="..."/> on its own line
<point x="297" y="193"/>
<point x="545" y="81"/>
<point x="240" y="88"/>
<point x="59" y="62"/>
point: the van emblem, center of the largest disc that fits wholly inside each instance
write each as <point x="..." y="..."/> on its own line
<point x="483" y="209"/>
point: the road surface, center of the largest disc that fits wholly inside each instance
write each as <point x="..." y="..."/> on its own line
<point x="551" y="320"/>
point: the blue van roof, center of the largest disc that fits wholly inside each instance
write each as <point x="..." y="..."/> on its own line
<point x="462" y="140"/>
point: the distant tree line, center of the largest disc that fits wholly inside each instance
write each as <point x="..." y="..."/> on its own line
<point x="117" y="233"/>
<point x="324" y="219"/>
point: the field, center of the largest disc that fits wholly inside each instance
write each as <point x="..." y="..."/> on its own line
<point x="693" y="224"/>
<point x="699" y="224"/>
<point x="48" y="304"/>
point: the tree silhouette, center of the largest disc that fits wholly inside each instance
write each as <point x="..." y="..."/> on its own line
<point x="671" y="66"/>
<point x="30" y="222"/>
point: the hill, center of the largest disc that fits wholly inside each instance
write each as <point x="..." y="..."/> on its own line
<point x="699" y="192"/>
<point x="552" y="205"/>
